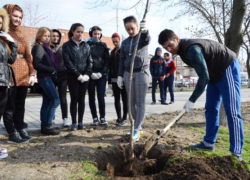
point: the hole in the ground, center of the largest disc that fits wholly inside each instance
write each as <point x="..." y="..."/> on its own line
<point x="153" y="164"/>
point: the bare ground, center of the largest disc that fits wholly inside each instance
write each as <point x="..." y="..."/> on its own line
<point x="61" y="157"/>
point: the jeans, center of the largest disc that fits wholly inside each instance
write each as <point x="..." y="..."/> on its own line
<point x="100" y="86"/>
<point x="161" y="84"/>
<point x="62" y="91"/>
<point x="168" y="86"/>
<point x="77" y="92"/>
<point x="50" y="100"/>
<point x="117" y="95"/>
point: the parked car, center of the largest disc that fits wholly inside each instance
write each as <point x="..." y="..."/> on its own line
<point x="180" y="83"/>
<point x="244" y="82"/>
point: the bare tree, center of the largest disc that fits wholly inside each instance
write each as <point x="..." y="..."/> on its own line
<point x="33" y="17"/>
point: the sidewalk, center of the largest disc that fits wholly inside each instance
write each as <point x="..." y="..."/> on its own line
<point x="33" y="105"/>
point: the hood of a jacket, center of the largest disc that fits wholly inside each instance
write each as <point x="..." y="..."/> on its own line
<point x="157" y="49"/>
<point x="60" y="36"/>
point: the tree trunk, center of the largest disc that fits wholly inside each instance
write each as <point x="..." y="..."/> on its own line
<point x="248" y="68"/>
<point x="234" y="39"/>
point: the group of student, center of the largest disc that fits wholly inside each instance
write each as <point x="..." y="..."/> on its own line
<point x="83" y="65"/>
<point x="79" y="64"/>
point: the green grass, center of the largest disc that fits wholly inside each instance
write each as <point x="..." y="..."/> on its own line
<point x="222" y="144"/>
<point x="88" y="171"/>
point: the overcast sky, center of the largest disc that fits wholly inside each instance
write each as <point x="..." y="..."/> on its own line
<point x="62" y="13"/>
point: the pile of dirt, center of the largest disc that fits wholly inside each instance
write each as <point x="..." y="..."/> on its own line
<point x="168" y="162"/>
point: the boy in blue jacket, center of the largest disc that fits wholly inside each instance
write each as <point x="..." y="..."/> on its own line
<point x="157" y="66"/>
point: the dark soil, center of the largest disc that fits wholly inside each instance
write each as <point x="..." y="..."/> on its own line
<point x="168" y="163"/>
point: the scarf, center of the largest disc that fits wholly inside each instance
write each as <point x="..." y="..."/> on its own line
<point x="51" y="55"/>
<point x="9" y="8"/>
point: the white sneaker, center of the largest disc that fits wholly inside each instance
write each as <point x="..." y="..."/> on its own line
<point x="4" y="150"/>
<point x="66" y="122"/>
<point x="3" y="155"/>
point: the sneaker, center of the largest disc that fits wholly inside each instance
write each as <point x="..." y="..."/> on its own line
<point x="122" y="122"/>
<point x="140" y="131"/>
<point x="104" y="122"/>
<point x="95" y="122"/>
<point x="66" y="122"/>
<point x="117" y="121"/>
<point x="3" y="155"/>
<point x="238" y="157"/>
<point x="49" y="130"/>
<point x="73" y="127"/>
<point x="15" y="138"/>
<point x="202" y="146"/>
<point x="172" y="102"/>
<point x="152" y="103"/>
<point x="81" y="126"/>
<point x="3" y="150"/>
<point x="164" y="103"/>
<point x="24" y="134"/>
<point x="136" y="135"/>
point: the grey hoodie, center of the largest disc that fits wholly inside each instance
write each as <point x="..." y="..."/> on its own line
<point x="141" y="58"/>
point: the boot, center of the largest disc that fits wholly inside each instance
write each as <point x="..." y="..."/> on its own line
<point x="49" y="130"/>
<point x="15" y="138"/>
<point x="24" y="134"/>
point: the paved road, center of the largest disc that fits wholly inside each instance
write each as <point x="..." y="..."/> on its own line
<point x="33" y="104"/>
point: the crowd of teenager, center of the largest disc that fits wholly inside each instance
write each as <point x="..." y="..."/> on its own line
<point x="79" y="64"/>
<point x="86" y="65"/>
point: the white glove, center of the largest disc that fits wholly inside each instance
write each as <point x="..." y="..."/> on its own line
<point x="32" y="80"/>
<point x="80" y="78"/>
<point x="120" y="82"/>
<point x="99" y="75"/>
<point x="6" y="36"/>
<point x="94" y="76"/>
<point x="85" y="78"/>
<point x="110" y="86"/>
<point x="188" y="106"/>
<point x="143" y="27"/>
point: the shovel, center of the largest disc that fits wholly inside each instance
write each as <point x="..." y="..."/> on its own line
<point x="153" y="140"/>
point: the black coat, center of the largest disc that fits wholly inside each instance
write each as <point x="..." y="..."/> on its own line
<point x="113" y="64"/>
<point x="100" y="55"/>
<point x="4" y="60"/>
<point x="77" y="58"/>
<point x="42" y="62"/>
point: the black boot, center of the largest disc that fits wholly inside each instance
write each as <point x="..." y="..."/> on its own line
<point x="24" y="134"/>
<point x="50" y="130"/>
<point x="15" y="138"/>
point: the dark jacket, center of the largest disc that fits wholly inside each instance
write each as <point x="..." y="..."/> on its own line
<point x="157" y="65"/>
<point x="77" y="58"/>
<point x="113" y="64"/>
<point x="217" y="56"/>
<point x="5" y="59"/>
<point x="141" y="58"/>
<point x="57" y="50"/>
<point x="100" y="55"/>
<point x="42" y="62"/>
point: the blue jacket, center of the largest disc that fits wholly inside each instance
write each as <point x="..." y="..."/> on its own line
<point x="157" y="65"/>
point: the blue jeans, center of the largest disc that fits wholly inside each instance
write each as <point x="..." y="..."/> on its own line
<point x="50" y="100"/>
<point x="226" y="89"/>
<point x="161" y="84"/>
<point x="100" y="85"/>
<point x="168" y="86"/>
